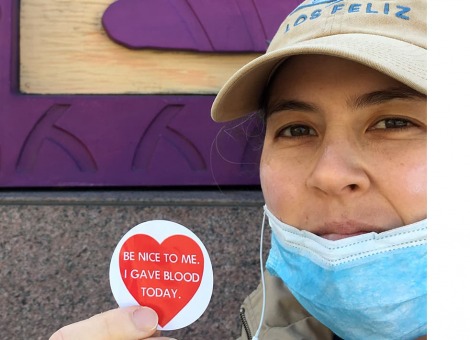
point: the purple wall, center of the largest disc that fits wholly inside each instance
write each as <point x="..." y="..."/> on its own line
<point x="132" y="140"/>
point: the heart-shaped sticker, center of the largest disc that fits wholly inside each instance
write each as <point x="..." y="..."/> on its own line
<point x="164" y="266"/>
<point x="163" y="276"/>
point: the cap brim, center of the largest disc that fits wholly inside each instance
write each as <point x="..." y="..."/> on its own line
<point x="400" y="60"/>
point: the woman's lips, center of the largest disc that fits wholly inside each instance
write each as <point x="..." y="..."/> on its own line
<point x="339" y="230"/>
<point x="335" y="237"/>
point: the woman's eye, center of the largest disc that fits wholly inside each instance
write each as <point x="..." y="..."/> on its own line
<point x="392" y="123"/>
<point x="297" y="131"/>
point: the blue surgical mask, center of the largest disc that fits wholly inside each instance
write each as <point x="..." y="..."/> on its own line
<point x="370" y="286"/>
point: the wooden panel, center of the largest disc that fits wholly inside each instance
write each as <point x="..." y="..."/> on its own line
<point x="65" y="50"/>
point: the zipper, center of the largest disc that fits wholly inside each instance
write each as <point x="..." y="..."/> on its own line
<point x="245" y="323"/>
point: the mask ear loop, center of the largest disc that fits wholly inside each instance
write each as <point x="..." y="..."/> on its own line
<point x="255" y="337"/>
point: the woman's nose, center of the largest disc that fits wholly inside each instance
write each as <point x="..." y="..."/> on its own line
<point x="339" y="168"/>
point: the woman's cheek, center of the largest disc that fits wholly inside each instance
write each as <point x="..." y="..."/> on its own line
<point x="417" y="190"/>
<point x="278" y="189"/>
<point x="271" y="184"/>
<point x="416" y="181"/>
<point x="408" y="190"/>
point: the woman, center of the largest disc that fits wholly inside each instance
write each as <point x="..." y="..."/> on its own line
<point x="342" y="89"/>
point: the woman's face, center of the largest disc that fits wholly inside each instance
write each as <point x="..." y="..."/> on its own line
<point x="345" y="148"/>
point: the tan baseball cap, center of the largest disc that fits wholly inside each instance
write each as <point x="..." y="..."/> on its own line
<point x="389" y="36"/>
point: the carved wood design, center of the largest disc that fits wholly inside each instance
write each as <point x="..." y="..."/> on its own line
<point x="198" y="25"/>
<point x="65" y="50"/>
<point x="160" y="129"/>
<point x="46" y="130"/>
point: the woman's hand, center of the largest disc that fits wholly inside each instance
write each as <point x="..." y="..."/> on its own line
<point x="130" y="323"/>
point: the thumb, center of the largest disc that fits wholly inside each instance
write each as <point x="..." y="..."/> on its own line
<point x="128" y="323"/>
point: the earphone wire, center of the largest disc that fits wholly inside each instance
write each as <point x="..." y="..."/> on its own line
<point x="255" y="337"/>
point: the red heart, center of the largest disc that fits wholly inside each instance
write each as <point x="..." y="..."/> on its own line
<point x="146" y="275"/>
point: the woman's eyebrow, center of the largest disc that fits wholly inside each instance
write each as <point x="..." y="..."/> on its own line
<point x="371" y="98"/>
<point x="382" y="96"/>
<point x="291" y="105"/>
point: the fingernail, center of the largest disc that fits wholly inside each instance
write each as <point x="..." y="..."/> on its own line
<point x="145" y="319"/>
